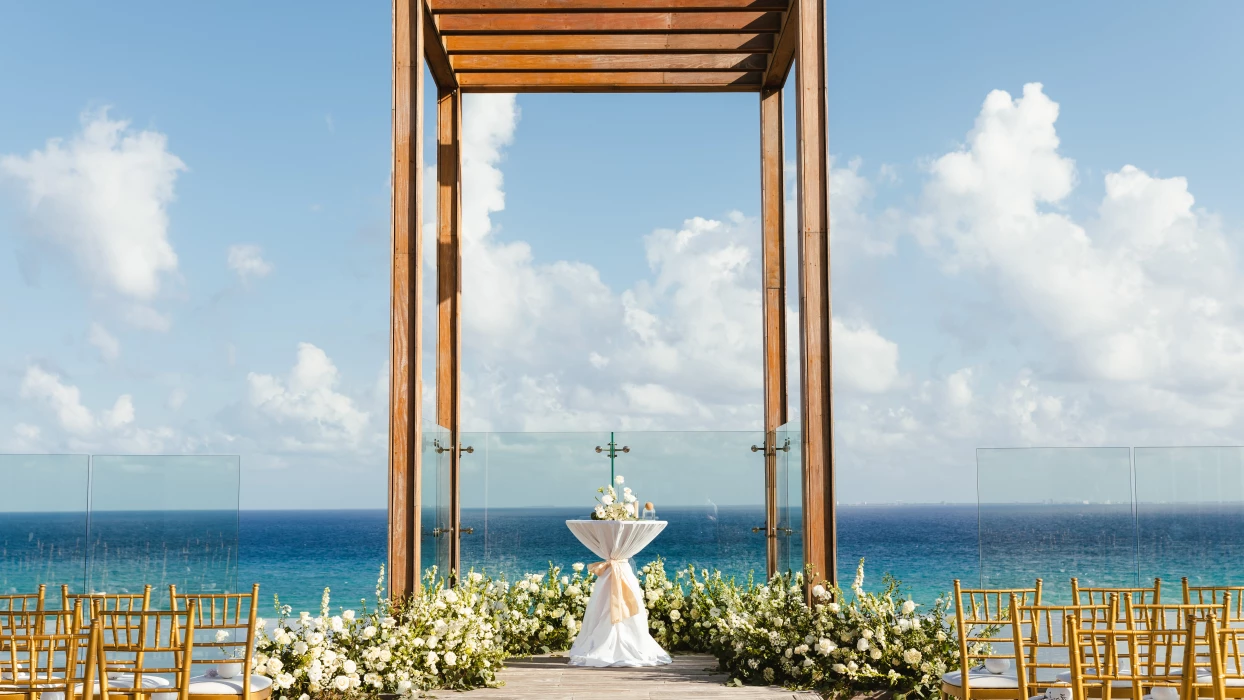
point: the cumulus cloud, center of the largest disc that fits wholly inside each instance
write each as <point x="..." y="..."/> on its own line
<point x="101" y="199"/>
<point x="307" y="409"/>
<point x="247" y="261"/>
<point x="80" y="428"/>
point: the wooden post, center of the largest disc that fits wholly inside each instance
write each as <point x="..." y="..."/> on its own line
<point x="405" y="367"/>
<point x="449" y="298"/>
<point x="772" y="209"/>
<point x="819" y="528"/>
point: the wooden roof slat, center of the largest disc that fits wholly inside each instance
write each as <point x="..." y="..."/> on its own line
<point x="436" y="57"/>
<point x="609" y="62"/>
<point x="783" y="54"/>
<point x="609" y="43"/>
<point x="638" y="81"/>
<point x="608" y="22"/>
<point x="448" y="6"/>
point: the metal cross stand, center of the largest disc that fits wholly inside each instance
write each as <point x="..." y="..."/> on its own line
<point x="613" y="452"/>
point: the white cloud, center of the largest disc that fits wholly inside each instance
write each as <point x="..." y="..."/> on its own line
<point x="864" y="360"/>
<point x="101" y="198"/>
<point x="80" y="429"/>
<point x="247" y="261"/>
<point x="107" y="344"/>
<point x="306" y="407"/>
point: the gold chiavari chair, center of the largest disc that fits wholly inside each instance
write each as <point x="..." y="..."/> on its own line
<point x="47" y="655"/>
<point x="1126" y="662"/>
<point x="233" y="618"/>
<point x="1198" y="595"/>
<point x="1226" y="658"/>
<point x="100" y="602"/>
<point x="1041" y="645"/>
<point x="1190" y="620"/>
<point x="153" y="649"/>
<point x="982" y="617"/>
<point x="22" y="602"/>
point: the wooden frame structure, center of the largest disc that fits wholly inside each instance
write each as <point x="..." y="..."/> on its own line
<point x="608" y="46"/>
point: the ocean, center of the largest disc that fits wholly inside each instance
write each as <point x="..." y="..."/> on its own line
<point x="296" y="554"/>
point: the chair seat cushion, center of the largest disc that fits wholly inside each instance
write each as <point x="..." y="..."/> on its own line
<point x="126" y="680"/>
<point x="215" y="685"/>
<point x="980" y="678"/>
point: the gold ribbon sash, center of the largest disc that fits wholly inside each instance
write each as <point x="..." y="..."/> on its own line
<point x="622" y="600"/>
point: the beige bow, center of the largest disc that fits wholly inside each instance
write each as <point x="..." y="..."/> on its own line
<point x="622" y="600"/>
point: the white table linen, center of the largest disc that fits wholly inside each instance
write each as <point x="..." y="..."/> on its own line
<point x="601" y="641"/>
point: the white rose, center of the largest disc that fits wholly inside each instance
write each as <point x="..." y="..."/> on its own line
<point x="909" y="607"/>
<point x="284" y="680"/>
<point x="834" y="607"/>
<point x="300" y="648"/>
<point x="674" y="615"/>
<point x="336" y="624"/>
<point x="348" y="615"/>
<point x="862" y="645"/>
<point x="369" y="632"/>
<point x="818" y="591"/>
<point x="565" y="580"/>
<point x="274" y="666"/>
<point x="450" y="658"/>
<point x="432" y="658"/>
<point x="874" y="654"/>
<point x="912" y="657"/>
<point x="619" y="480"/>
<point x="349" y="666"/>
<point x="341" y="683"/>
<point x="578" y="566"/>
<point x="606" y="500"/>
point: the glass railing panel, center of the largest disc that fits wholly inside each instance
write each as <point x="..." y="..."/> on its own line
<point x="43" y="522"/>
<point x="789" y="498"/>
<point x="710" y="488"/>
<point x="518" y="489"/>
<point x="1190" y="515"/>
<point x="1054" y="514"/>
<point x="434" y="529"/>
<point x="163" y="520"/>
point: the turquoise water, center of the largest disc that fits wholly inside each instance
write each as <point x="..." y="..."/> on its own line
<point x="298" y="553"/>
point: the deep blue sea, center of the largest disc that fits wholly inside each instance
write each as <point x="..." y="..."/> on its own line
<point x="297" y="553"/>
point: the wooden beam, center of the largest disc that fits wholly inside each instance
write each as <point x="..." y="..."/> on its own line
<point x="405" y="367"/>
<point x="610" y="62"/>
<point x="819" y="508"/>
<point x="449" y="300"/>
<point x="783" y="54"/>
<point x="437" y="57"/>
<point x="609" y="43"/>
<point x="773" y="256"/>
<point x="652" y="81"/>
<point x="609" y="22"/>
<point x="447" y="6"/>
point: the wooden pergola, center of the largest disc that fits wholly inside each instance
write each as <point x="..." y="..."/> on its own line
<point x="515" y="46"/>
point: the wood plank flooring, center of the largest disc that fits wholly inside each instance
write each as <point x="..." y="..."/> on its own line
<point x="690" y="677"/>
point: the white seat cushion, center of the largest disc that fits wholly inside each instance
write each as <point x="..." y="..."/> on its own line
<point x="1065" y="677"/>
<point x="215" y="685"/>
<point x="126" y="680"/>
<point x="980" y="678"/>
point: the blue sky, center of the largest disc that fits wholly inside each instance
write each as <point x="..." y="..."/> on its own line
<point x="987" y="296"/>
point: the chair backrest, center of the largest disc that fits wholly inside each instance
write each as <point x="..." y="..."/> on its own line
<point x="982" y="616"/>
<point x="1040" y="640"/>
<point x="233" y="617"/>
<point x="1200" y="595"/>
<point x="21" y="602"/>
<point x="134" y="644"/>
<point x="100" y="602"/>
<point x="45" y="652"/>
<point x="1093" y="595"/>
<point x="1162" y="620"/>
<point x="1144" y="659"/>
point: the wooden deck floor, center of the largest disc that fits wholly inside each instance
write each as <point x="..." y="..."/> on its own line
<point x="691" y="676"/>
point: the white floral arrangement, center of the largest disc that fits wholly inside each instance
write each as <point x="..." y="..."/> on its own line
<point x="610" y="507"/>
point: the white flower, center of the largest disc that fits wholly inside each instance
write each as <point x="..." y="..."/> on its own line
<point x="674" y="615"/>
<point x="565" y="580"/>
<point x="274" y="666"/>
<point x="834" y="608"/>
<point x="600" y="512"/>
<point x="912" y="657"/>
<point x="403" y="687"/>
<point x="867" y="634"/>
<point x="476" y="577"/>
<point x="630" y="509"/>
<point x="450" y="658"/>
<point x="909" y="607"/>
<point x="336" y="624"/>
<point x="284" y="680"/>
<point x="349" y="666"/>
<point x="824" y="647"/>
<point x="432" y="658"/>
<point x="578" y="566"/>
<point x="839" y="668"/>
<point x="300" y="647"/>
<point x="222" y="635"/>
<point x="874" y="654"/>
<point x="341" y="683"/>
<point x="607" y="499"/>
<point x="348" y="615"/>
<point x="619" y="480"/>
<point x="818" y="591"/>
<point x="369" y="632"/>
<point x="862" y="645"/>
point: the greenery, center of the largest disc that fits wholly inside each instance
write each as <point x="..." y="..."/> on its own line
<point x="457" y="638"/>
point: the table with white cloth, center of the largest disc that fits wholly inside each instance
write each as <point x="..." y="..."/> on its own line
<point x="615" y="624"/>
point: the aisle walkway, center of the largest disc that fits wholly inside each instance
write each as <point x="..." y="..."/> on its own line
<point x="691" y="676"/>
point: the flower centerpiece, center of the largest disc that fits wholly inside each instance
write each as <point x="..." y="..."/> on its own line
<point x="610" y="507"/>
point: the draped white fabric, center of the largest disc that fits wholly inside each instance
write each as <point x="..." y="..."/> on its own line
<point x="602" y="642"/>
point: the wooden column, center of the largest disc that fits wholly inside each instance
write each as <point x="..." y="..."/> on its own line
<point x="449" y="298"/>
<point x="772" y="209"/>
<point x="405" y="367"/>
<point x="819" y="529"/>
